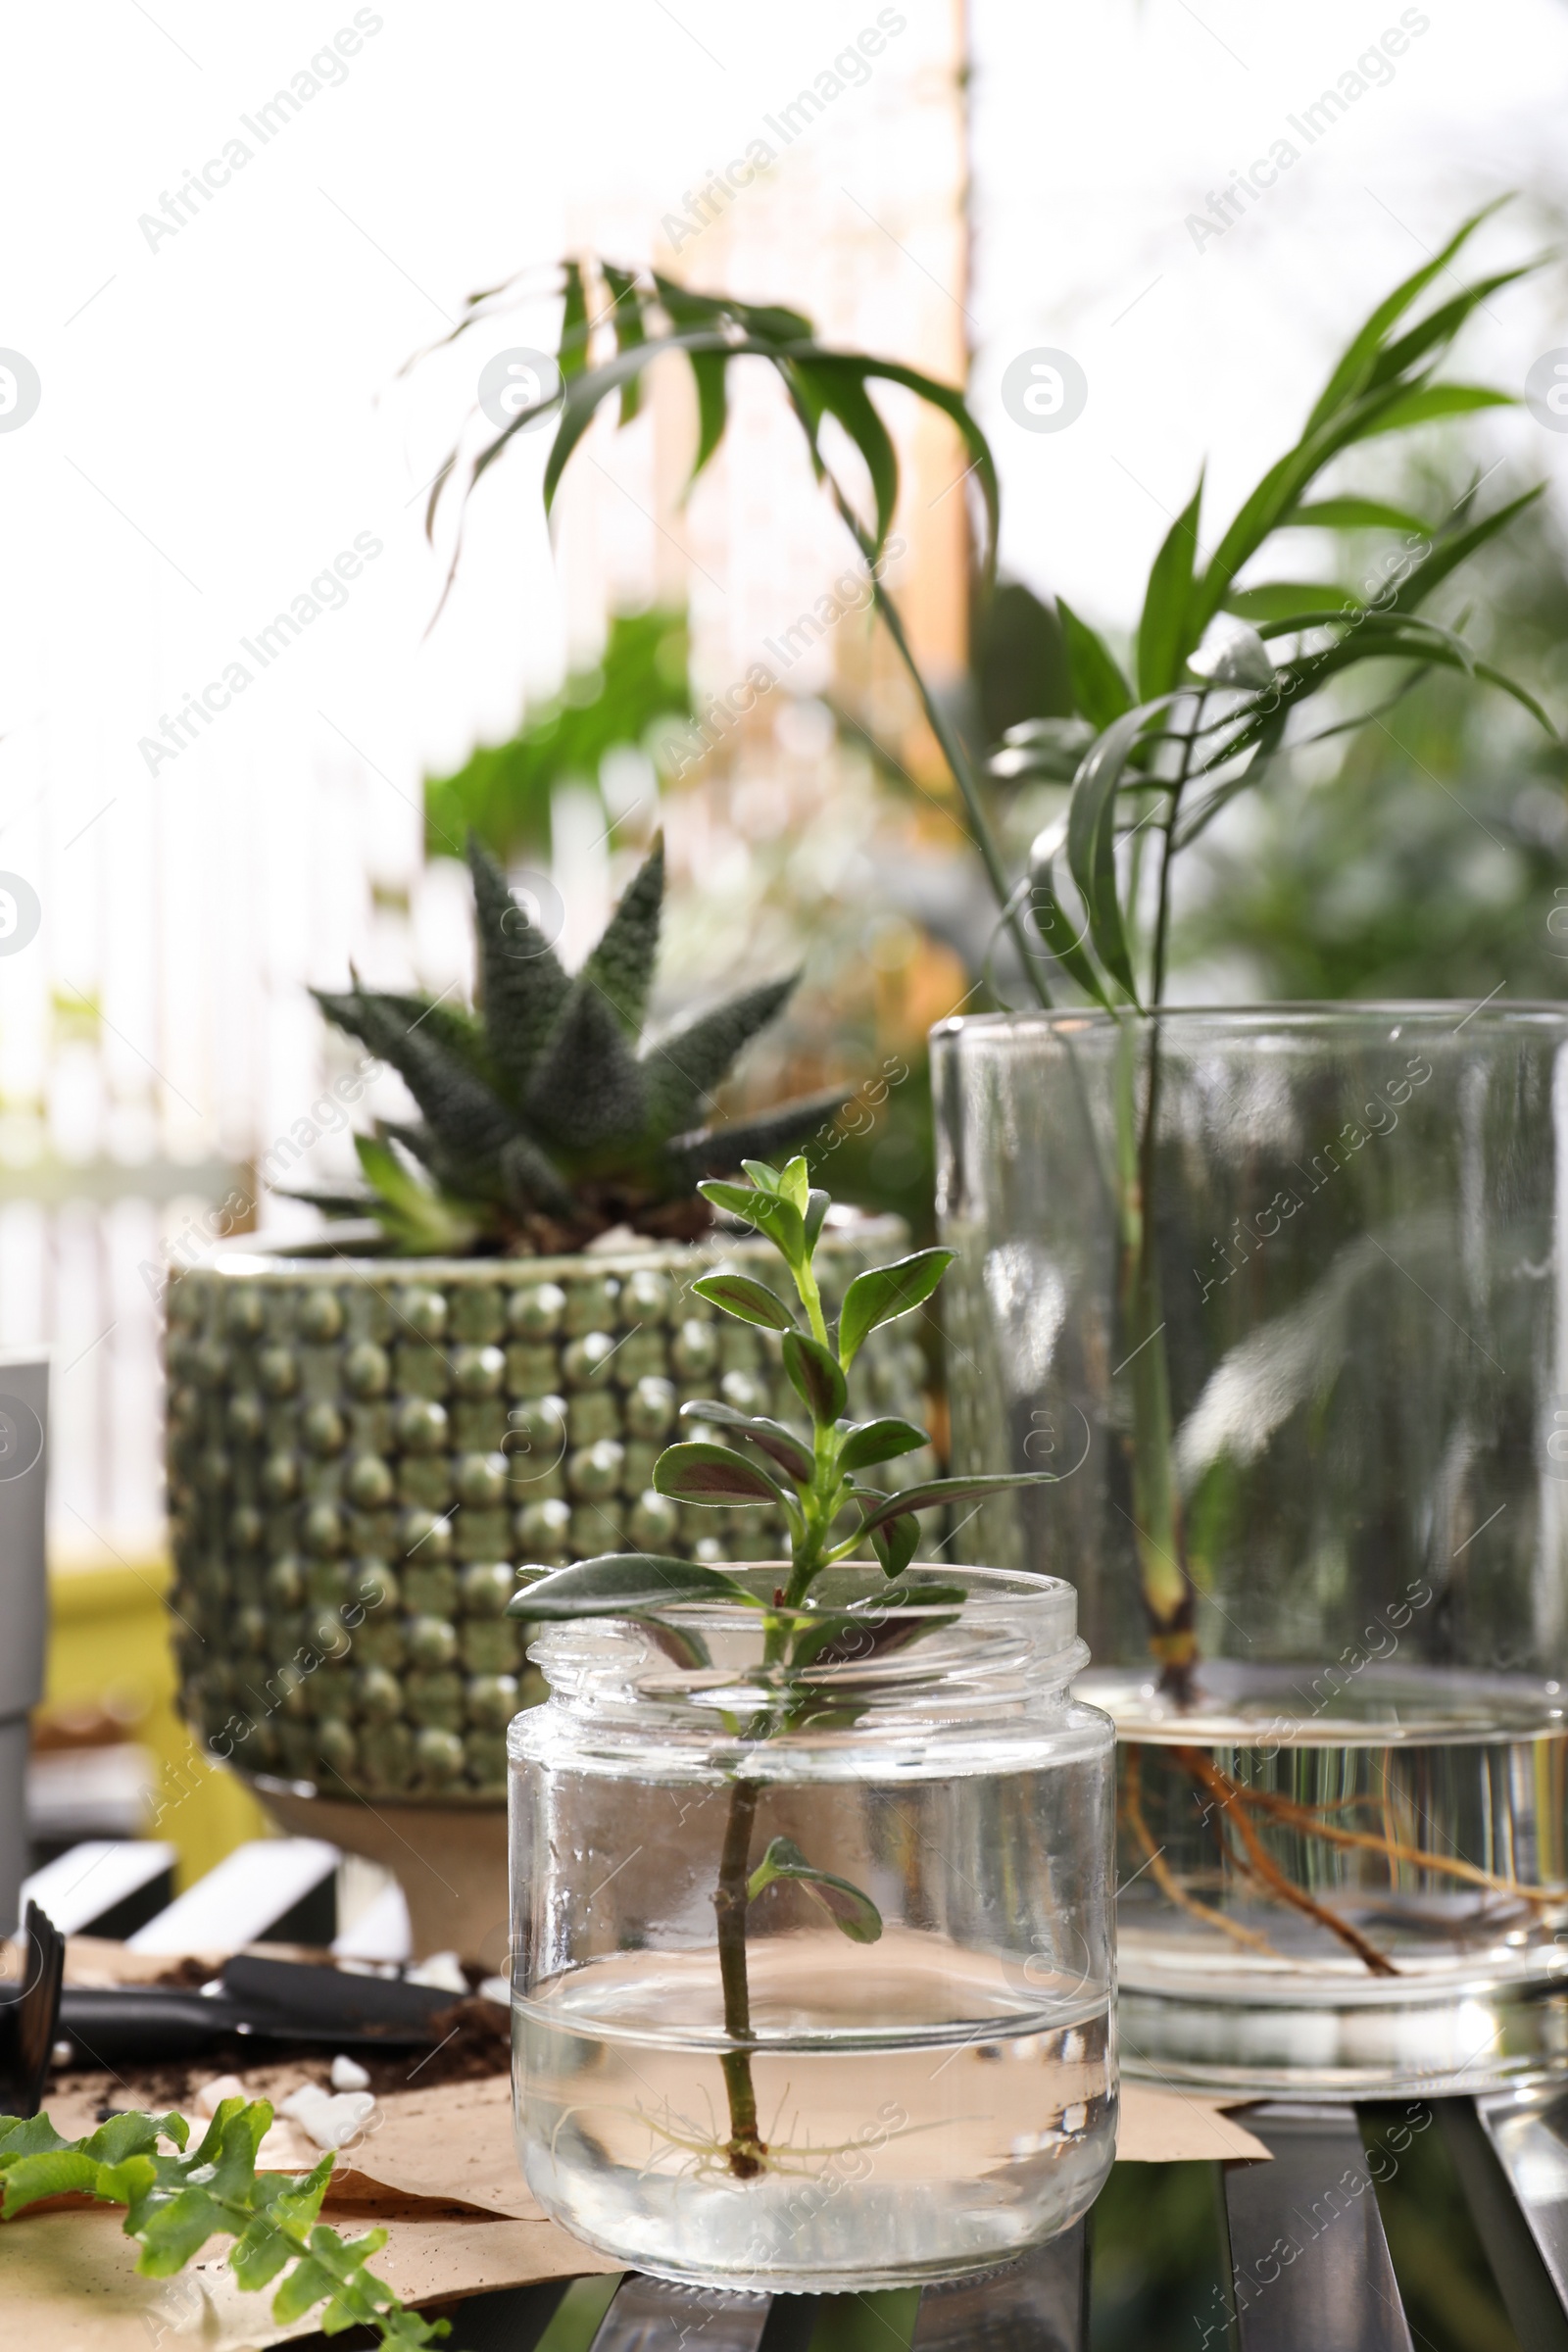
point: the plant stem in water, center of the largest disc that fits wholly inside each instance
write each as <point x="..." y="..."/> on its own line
<point x="747" y="2152"/>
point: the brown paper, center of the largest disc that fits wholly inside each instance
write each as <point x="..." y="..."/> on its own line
<point x="436" y="2168"/>
<point x="69" y="2284"/>
<point x="1162" y="2125"/>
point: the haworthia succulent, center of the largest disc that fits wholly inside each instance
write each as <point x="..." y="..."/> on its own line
<point x="542" y="1119"/>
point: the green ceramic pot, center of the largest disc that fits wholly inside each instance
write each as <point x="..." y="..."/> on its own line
<point x="362" y="1452"/>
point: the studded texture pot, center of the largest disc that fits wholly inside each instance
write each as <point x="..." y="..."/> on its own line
<point x="362" y="1452"/>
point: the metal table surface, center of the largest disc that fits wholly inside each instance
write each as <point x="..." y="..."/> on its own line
<point x="1308" y="2262"/>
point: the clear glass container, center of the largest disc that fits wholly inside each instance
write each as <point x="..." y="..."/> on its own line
<point x="1342" y="1844"/>
<point x="930" y="2101"/>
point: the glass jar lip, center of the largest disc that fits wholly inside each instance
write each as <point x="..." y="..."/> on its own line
<point x="1306" y="1016"/>
<point x="1012" y="1596"/>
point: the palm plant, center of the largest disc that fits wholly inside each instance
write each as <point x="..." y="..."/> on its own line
<point x="545" y="1115"/>
<point x="1221" y="668"/>
<point x="1223" y="664"/>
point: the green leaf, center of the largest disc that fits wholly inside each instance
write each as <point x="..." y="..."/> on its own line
<point x="776" y="1219"/>
<point x="309" y="2282"/>
<point x="240" y="2126"/>
<point x="736" y="1199"/>
<point x="1092" y="837"/>
<point x="1435" y="332"/>
<point x="709" y="368"/>
<point x="1059" y="934"/>
<point x="626" y="320"/>
<point x="573" y="320"/>
<point x="1352" y="514"/>
<point x="419" y="1218"/>
<point x="818" y="1204"/>
<point x="950" y="1489"/>
<point x="135" y="2134"/>
<point x="872" y="1442"/>
<point x="1454" y="549"/>
<point x="1044" y="749"/>
<point x="951" y="400"/>
<point x="1302" y="603"/>
<point x="781" y="1445"/>
<point x="27" y="2135"/>
<point x="1163" y="636"/>
<point x="712" y="1474"/>
<point x="585" y="392"/>
<point x="816" y="1376"/>
<point x="259" y="2252"/>
<point x="749" y="1302"/>
<point x="853" y="1912"/>
<point x="56" y="2174"/>
<point x="175" y="2231"/>
<point x="795" y="1184"/>
<point x="765" y="1177"/>
<point x="896" y="1618"/>
<point x="622" y="1584"/>
<point x="1353" y="371"/>
<point x="896" y="1543"/>
<point x="1422" y="648"/>
<point x="839" y="387"/>
<point x="885" y="1291"/>
<point x="1099" y="689"/>
<point x="1430" y="403"/>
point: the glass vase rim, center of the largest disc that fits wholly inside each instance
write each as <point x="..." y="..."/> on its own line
<point x="1302" y="1015"/>
<point x="991" y="1594"/>
<point x="1019" y="1598"/>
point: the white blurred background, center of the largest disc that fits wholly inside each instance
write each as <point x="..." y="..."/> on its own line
<point x="222" y="411"/>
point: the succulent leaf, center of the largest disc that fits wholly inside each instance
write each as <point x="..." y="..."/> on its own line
<point x="685" y="1063"/>
<point x="692" y="1472"/>
<point x="531" y="1179"/>
<point x="793" y="1455"/>
<point x="849" y="1907"/>
<point x="587" y="1088"/>
<point x="623" y="1583"/>
<point x="522" y="989"/>
<point x="715" y="1148"/>
<point x="621" y="966"/>
<point x="747" y="1300"/>
<point x="459" y="1107"/>
<point x="872" y="1442"/>
<point x="816" y="1376"/>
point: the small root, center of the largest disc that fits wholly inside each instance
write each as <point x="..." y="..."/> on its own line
<point x="1225" y="1792"/>
<point x="1305" y="1819"/>
<point x="1166" y="1879"/>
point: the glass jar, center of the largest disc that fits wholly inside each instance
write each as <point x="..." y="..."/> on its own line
<point x="1323" y="1281"/>
<point x="894" y="2059"/>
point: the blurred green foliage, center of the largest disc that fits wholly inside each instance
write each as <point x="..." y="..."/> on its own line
<point x="1428" y="854"/>
<point x="1446" y="2283"/>
<point x="1154" y="2259"/>
<point x="890" y="1163"/>
<point x="505" y="793"/>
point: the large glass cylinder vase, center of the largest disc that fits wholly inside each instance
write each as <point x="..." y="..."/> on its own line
<point x="1279" y="1296"/>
